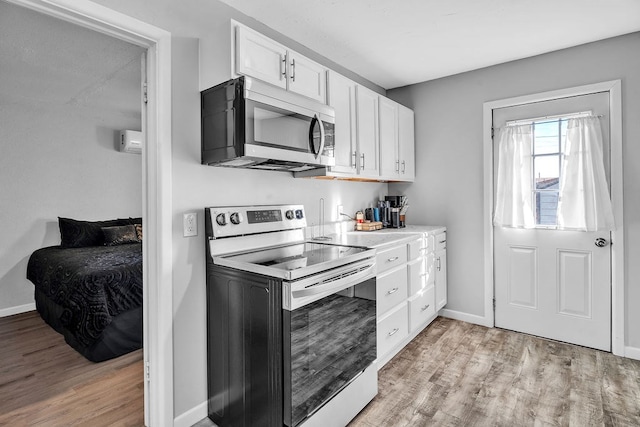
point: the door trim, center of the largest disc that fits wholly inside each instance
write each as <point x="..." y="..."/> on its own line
<point x="156" y="189"/>
<point x="614" y="88"/>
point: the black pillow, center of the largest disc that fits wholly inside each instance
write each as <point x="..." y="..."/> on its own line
<point x="120" y="234"/>
<point x="78" y="234"/>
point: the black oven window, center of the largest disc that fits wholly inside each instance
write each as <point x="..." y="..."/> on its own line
<point x="332" y="341"/>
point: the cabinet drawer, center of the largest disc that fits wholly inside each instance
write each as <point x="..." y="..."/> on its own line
<point x="392" y="329"/>
<point x="441" y="241"/>
<point x="389" y="258"/>
<point x="391" y="289"/>
<point x="421" y="308"/>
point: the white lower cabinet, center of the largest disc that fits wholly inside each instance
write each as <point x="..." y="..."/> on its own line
<point x="410" y="289"/>
<point x="422" y="308"/>
<point x="393" y="328"/>
<point x="391" y="289"/>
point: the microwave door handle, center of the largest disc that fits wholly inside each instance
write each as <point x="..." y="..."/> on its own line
<point x="316" y="117"/>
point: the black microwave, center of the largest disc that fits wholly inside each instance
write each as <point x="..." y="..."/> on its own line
<point x="251" y="124"/>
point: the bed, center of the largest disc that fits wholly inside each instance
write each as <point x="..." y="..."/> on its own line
<point x="89" y="288"/>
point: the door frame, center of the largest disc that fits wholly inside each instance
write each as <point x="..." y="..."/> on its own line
<point x="614" y="88"/>
<point x="156" y="189"/>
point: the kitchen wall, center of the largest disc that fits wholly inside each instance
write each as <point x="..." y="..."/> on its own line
<point x="201" y="58"/>
<point x="449" y="155"/>
<point x="64" y="93"/>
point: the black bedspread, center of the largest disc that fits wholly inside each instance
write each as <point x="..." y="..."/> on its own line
<point x="90" y="285"/>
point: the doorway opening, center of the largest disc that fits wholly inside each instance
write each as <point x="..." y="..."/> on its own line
<point x="156" y="189"/>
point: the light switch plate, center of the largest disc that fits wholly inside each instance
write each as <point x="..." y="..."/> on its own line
<point x="190" y="224"/>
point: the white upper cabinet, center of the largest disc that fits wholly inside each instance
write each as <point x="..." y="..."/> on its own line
<point x="406" y="144"/>
<point x="367" y="131"/>
<point x="374" y="135"/>
<point x="389" y="150"/>
<point x="342" y="97"/>
<point x="397" y="142"/>
<point x="307" y="77"/>
<point x="260" y="57"/>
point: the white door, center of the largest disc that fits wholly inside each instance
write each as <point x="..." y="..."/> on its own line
<point x="548" y="282"/>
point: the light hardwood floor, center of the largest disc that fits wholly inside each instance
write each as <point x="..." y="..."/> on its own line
<point x="458" y="374"/>
<point x="44" y="382"/>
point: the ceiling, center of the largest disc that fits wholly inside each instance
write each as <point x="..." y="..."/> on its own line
<point x="402" y="42"/>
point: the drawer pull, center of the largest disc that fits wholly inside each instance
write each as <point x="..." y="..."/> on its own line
<point x="392" y="291"/>
<point x="424" y="274"/>
<point x="393" y="332"/>
<point x="392" y="259"/>
<point x="424" y="308"/>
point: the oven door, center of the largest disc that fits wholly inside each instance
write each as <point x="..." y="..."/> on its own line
<point x="328" y="342"/>
<point x="276" y="129"/>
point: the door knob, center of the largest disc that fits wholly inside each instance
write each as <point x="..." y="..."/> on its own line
<point x="601" y="243"/>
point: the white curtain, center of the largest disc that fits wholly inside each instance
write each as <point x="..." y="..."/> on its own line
<point x="584" y="202"/>
<point x="514" y="181"/>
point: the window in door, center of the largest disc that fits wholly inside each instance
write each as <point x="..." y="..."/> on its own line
<point x="549" y="134"/>
<point x="548" y="144"/>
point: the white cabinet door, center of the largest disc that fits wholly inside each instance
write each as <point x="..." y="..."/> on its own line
<point x="389" y="155"/>
<point x="441" y="270"/>
<point x="367" y="131"/>
<point x="342" y="97"/>
<point x="260" y="57"/>
<point x="307" y="77"/>
<point x="406" y="143"/>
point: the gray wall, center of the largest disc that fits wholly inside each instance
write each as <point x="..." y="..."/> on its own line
<point x="201" y="58"/>
<point x="449" y="164"/>
<point x="64" y="92"/>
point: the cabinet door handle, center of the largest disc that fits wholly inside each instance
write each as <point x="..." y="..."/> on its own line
<point x="438" y="263"/>
<point x="404" y="166"/>
<point x="362" y="161"/>
<point x="353" y="160"/>
<point x="283" y="67"/>
<point x="397" y="165"/>
<point x="293" y="70"/>
<point x="424" y="308"/>
<point x="392" y="291"/>
<point x="424" y="275"/>
<point x="392" y="259"/>
<point x="393" y="332"/>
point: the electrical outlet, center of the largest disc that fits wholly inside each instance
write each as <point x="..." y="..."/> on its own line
<point x="190" y="224"/>
<point x="340" y="212"/>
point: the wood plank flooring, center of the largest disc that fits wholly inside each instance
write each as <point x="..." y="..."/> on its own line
<point x="458" y="374"/>
<point x="44" y="382"/>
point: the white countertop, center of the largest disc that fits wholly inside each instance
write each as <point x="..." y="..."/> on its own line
<point x="387" y="236"/>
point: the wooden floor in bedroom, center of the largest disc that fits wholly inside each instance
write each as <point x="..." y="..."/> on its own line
<point x="458" y="374"/>
<point x="44" y="382"/>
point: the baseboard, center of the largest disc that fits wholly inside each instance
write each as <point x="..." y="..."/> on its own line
<point x="17" y="309"/>
<point x="632" y="353"/>
<point x="466" y="317"/>
<point x="192" y="416"/>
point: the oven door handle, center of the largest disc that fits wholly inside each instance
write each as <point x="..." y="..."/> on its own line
<point x="309" y="291"/>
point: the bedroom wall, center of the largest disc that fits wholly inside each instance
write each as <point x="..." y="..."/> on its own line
<point x="64" y="93"/>
<point x="449" y="182"/>
<point x="200" y="58"/>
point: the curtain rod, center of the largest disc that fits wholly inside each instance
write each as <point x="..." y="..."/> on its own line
<point x="538" y="120"/>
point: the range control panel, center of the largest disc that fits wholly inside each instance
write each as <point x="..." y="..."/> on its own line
<point x="229" y="221"/>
